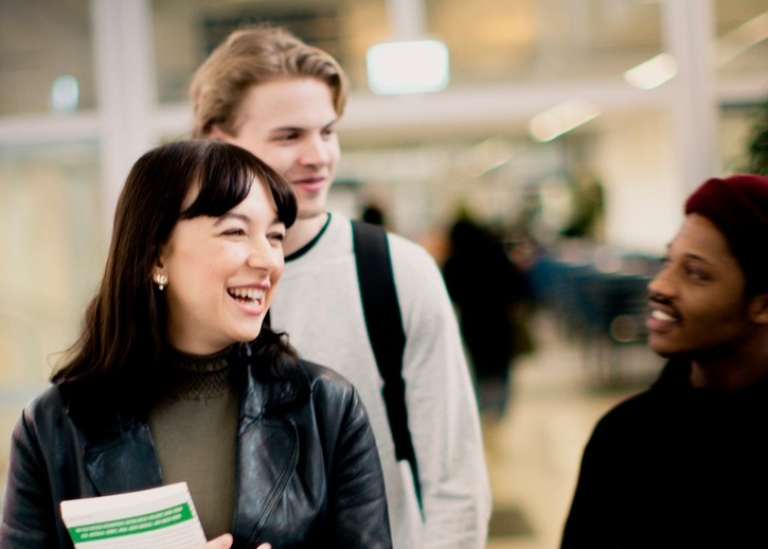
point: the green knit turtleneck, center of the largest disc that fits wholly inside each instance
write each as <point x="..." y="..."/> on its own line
<point x="195" y="432"/>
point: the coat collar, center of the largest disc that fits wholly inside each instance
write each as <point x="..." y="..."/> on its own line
<point x="120" y="455"/>
<point x="265" y="396"/>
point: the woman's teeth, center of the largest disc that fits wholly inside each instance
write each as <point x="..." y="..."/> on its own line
<point x="251" y="294"/>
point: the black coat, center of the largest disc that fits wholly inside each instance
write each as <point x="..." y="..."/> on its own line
<point x="307" y="471"/>
<point x="675" y="467"/>
<point x="486" y="287"/>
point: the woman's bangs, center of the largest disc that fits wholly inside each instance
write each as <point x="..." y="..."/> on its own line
<point x="222" y="187"/>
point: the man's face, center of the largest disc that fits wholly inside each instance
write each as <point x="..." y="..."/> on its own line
<point x="290" y="123"/>
<point x="698" y="304"/>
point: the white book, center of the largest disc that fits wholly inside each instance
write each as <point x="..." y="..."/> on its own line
<point x="157" y="518"/>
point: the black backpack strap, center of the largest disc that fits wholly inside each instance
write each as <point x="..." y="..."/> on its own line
<point x="385" y="332"/>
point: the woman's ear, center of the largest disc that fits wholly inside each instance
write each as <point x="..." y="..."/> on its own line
<point x="758" y="309"/>
<point x="159" y="261"/>
<point x="158" y="276"/>
<point x="158" y="270"/>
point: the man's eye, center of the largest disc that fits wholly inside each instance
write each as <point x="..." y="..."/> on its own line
<point x="695" y="273"/>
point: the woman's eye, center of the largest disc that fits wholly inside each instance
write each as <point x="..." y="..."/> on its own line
<point x="234" y="232"/>
<point x="278" y="237"/>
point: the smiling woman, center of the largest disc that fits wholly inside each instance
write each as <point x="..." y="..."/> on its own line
<point x="242" y="251"/>
<point x="175" y="377"/>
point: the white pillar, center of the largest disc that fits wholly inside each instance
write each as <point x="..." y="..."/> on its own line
<point x="406" y="19"/>
<point x="125" y="85"/>
<point x="690" y="38"/>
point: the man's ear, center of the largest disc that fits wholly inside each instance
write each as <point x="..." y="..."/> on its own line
<point x="217" y="133"/>
<point x="758" y="309"/>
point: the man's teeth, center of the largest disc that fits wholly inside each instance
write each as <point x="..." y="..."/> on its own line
<point x="252" y="294"/>
<point x="661" y="315"/>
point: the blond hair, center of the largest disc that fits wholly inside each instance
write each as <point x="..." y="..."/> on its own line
<point x="253" y="56"/>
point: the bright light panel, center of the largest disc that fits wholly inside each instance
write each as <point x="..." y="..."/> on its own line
<point x="413" y="66"/>
<point x="652" y="73"/>
<point x="65" y="94"/>
<point x="561" y="119"/>
<point x="742" y="38"/>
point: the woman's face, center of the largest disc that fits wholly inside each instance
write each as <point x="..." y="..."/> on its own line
<point x="222" y="273"/>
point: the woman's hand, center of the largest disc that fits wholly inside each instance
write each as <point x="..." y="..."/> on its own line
<point x="221" y="542"/>
<point x="225" y="542"/>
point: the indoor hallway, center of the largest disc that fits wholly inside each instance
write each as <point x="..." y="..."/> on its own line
<point x="534" y="453"/>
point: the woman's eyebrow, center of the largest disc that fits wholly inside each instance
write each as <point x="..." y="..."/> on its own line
<point x="229" y="215"/>
<point x="243" y="217"/>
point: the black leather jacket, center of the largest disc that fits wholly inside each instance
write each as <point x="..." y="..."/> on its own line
<point x="308" y="473"/>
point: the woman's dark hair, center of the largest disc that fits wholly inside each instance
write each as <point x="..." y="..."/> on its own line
<point x="124" y="330"/>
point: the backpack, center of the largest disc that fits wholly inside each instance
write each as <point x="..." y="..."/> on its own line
<point x="384" y="324"/>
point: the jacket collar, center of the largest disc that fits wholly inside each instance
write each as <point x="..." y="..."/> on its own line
<point x="265" y="396"/>
<point x="120" y="456"/>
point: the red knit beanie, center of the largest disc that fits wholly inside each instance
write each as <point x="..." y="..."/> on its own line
<point x="738" y="206"/>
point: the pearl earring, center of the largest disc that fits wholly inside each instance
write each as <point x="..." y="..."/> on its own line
<point x="161" y="280"/>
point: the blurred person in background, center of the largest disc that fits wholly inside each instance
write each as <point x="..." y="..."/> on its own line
<point x="487" y="289"/>
<point x="374" y="214"/>
<point x="281" y="99"/>
<point x="683" y="464"/>
<point x="175" y="378"/>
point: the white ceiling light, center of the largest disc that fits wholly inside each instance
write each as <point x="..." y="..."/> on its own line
<point x="561" y="119"/>
<point x="662" y="68"/>
<point x="486" y="156"/>
<point x="411" y="66"/>
<point x="652" y="73"/>
<point x="65" y="94"/>
<point x="742" y="38"/>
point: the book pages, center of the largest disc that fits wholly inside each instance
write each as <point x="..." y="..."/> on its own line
<point x="160" y="518"/>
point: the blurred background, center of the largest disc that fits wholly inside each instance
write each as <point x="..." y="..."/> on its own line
<point x="573" y="128"/>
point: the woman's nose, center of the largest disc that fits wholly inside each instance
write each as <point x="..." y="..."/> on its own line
<point x="265" y="256"/>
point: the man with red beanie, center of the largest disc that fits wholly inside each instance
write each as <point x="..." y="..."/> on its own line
<point x="685" y="463"/>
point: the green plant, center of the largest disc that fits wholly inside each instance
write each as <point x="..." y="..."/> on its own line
<point x="757" y="152"/>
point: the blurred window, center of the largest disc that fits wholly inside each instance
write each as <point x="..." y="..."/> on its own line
<point x="46" y="56"/>
<point x="185" y="32"/>
<point x="544" y="40"/>
<point x="52" y="242"/>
